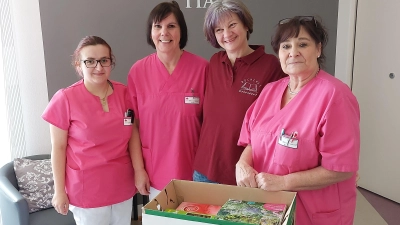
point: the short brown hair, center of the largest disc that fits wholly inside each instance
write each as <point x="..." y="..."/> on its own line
<point x="291" y="28"/>
<point x="87" y="41"/>
<point x="162" y="11"/>
<point x="218" y="10"/>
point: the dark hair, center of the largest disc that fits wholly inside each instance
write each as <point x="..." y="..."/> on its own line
<point x="218" y="10"/>
<point x="291" y="28"/>
<point x="87" y="41"/>
<point x="162" y="11"/>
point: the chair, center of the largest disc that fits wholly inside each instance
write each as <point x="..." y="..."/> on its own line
<point x="14" y="208"/>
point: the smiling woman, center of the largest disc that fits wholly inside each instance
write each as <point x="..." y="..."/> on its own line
<point x="94" y="63"/>
<point x="312" y="121"/>
<point x="166" y="36"/>
<point x="90" y="138"/>
<point x="231" y="35"/>
<point x="236" y="77"/>
<point x="167" y="91"/>
<point x="299" y="43"/>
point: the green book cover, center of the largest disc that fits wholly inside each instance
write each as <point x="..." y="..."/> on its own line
<point x="252" y="212"/>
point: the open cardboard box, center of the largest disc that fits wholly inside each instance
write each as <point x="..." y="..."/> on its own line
<point x="178" y="191"/>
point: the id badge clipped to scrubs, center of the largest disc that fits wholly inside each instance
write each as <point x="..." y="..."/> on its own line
<point x="128" y="117"/>
<point x="287" y="140"/>
<point x="191" y="99"/>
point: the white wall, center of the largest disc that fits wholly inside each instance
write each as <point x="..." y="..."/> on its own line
<point x="345" y="40"/>
<point x="21" y="19"/>
<point x="3" y="119"/>
<point x="23" y="90"/>
<point x="32" y="74"/>
<point x="5" y="155"/>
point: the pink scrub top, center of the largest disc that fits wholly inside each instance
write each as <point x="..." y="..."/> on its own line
<point x="169" y="108"/>
<point x="99" y="170"/>
<point x="324" y="120"/>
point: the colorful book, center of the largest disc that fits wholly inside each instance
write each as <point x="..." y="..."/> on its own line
<point x="192" y="207"/>
<point x="196" y="209"/>
<point x="252" y="212"/>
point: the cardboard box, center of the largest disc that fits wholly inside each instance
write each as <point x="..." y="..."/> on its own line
<point x="178" y="191"/>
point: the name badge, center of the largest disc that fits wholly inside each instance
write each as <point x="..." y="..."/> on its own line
<point x="289" y="141"/>
<point x="128" y="117"/>
<point x="192" y="100"/>
<point x="127" y="121"/>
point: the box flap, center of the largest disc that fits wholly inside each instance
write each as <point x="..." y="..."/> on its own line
<point x="289" y="215"/>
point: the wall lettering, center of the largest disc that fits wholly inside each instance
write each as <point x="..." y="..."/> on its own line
<point x="198" y="3"/>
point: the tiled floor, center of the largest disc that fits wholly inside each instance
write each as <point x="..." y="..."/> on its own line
<point x="388" y="210"/>
<point x="367" y="201"/>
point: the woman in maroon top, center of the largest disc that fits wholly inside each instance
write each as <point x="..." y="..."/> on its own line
<point x="236" y="77"/>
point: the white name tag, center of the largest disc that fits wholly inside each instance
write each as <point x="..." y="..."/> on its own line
<point x="127" y="121"/>
<point x="192" y="100"/>
<point x="286" y="140"/>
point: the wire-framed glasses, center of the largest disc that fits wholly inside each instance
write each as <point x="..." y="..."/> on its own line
<point x="92" y="63"/>
<point x="300" y="18"/>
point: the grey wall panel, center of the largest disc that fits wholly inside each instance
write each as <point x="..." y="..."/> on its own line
<point x="122" y="24"/>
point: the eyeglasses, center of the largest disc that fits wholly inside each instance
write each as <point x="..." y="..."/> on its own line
<point x="92" y="63"/>
<point x="300" y="19"/>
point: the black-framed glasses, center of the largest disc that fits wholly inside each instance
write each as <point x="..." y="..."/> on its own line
<point x="92" y="63"/>
<point x="300" y="19"/>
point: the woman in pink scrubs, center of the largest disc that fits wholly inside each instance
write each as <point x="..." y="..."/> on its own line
<point x="167" y="91"/>
<point x="90" y="126"/>
<point x="302" y="134"/>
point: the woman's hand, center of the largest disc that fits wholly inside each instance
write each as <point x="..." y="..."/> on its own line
<point x="270" y="182"/>
<point x="142" y="182"/>
<point x="245" y="175"/>
<point x="60" y="203"/>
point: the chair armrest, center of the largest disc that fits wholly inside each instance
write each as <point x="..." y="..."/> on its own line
<point x="14" y="207"/>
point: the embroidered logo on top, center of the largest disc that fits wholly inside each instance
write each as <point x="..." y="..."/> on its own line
<point x="250" y="86"/>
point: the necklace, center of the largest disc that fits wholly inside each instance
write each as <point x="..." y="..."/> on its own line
<point x="104" y="99"/>
<point x="290" y="90"/>
<point x="295" y="93"/>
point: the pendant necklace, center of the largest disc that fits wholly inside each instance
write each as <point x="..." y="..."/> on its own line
<point x="104" y="99"/>
<point x="292" y="92"/>
<point x="295" y="93"/>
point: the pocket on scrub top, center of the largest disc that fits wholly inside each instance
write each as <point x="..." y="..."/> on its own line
<point x="74" y="181"/>
<point x="286" y="156"/>
<point x="147" y="160"/>
<point x="192" y="104"/>
<point x="73" y="174"/>
<point x="303" y="157"/>
<point x="324" y="218"/>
